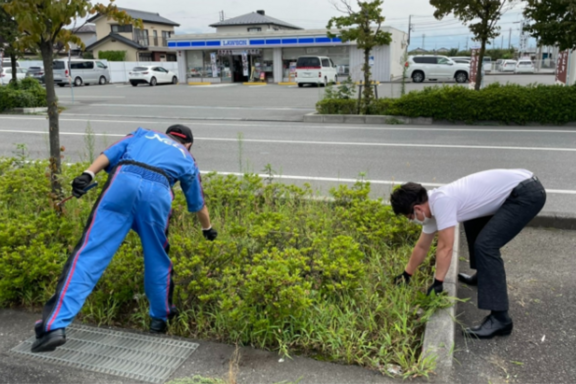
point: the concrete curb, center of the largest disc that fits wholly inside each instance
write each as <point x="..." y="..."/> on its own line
<point x="440" y="329"/>
<point x="555" y="220"/>
<point x="366" y="119"/>
<point x="30" y="110"/>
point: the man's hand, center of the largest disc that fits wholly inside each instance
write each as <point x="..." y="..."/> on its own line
<point x="210" y="234"/>
<point x="80" y="184"/>
<point x="437" y="287"/>
<point x="404" y="278"/>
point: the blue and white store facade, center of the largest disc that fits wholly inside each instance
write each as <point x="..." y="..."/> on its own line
<point x="270" y="56"/>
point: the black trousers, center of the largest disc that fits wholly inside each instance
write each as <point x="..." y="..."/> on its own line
<point x="486" y="235"/>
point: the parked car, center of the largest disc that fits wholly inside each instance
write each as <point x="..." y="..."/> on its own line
<point x="82" y="72"/>
<point x="498" y="65"/>
<point x="487" y="65"/>
<point x="428" y="67"/>
<point x="508" y="66"/>
<point x="36" y="73"/>
<point x="151" y="75"/>
<point x="7" y="63"/>
<point x="524" y="66"/>
<point x="317" y="70"/>
<point x="6" y="75"/>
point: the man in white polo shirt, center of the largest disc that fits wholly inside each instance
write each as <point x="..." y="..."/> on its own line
<point x="494" y="206"/>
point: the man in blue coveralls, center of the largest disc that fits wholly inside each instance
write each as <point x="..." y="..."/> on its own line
<point x="138" y="195"/>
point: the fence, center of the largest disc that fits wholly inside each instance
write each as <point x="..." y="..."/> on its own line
<point x="118" y="69"/>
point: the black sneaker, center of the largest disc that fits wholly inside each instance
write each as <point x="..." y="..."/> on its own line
<point x="161" y="326"/>
<point x="49" y="341"/>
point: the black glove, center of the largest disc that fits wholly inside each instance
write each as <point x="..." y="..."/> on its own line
<point x="210" y="234"/>
<point x="80" y="184"/>
<point x="404" y="278"/>
<point x="437" y="286"/>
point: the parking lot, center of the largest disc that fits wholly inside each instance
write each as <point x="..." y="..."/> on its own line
<point x="225" y="101"/>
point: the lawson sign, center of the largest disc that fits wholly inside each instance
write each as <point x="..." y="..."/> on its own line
<point x="235" y="43"/>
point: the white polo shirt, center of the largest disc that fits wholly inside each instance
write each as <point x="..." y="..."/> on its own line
<point x="477" y="195"/>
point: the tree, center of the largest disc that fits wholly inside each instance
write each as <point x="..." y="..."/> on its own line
<point x="363" y="27"/>
<point x="41" y="24"/>
<point x="8" y="38"/>
<point x="488" y="12"/>
<point x="554" y="22"/>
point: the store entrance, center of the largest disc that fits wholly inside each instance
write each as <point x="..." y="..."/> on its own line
<point x="238" y="72"/>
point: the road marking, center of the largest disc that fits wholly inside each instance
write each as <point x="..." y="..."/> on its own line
<point x="333" y="143"/>
<point x="375" y="182"/>
<point x="91" y="97"/>
<point x="283" y="124"/>
<point x="198" y="107"/>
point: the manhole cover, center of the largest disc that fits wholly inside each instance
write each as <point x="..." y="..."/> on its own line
<point x="140" y="357"/>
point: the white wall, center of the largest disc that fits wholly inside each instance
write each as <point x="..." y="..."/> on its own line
<point x="118" y="69"/>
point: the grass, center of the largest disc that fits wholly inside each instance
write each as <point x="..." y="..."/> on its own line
<point x="288" y="273"/>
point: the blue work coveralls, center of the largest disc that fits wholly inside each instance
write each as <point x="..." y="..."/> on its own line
<point x="138" y="195"/>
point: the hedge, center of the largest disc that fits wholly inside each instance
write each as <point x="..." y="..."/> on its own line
<point x="112" y="55"/>
<point x="544" y="104"/>
<point x="286" y="273"/>
<point x="27" y="93"/>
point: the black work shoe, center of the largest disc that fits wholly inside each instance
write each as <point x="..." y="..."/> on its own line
<point x="158" y="326"/>
<point x="467" y="279"/>
<point x="489" y="328"/>
<point x="49" y="341"/>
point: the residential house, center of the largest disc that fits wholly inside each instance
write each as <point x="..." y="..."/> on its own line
<point x="149" y="43"/>
<point x="252" y="22"/>
<point x="86" y="33"/>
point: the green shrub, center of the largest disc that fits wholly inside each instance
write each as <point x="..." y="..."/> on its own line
<point x="112" y="55"/>
<point x="27" y="93"/>
<point x="544" y="104"/>
<point x="287" y="272"/>
<point x="337" y="107"/>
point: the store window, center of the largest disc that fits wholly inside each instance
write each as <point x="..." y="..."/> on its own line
<point x="195" y="63"/>
<point x="255" y="29"/>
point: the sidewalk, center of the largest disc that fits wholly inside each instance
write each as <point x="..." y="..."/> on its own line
<point x="211" y="360"/>
<point x="540" y="268"/>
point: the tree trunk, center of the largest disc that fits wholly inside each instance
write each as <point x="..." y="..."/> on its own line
<point x="368" y="93"/>
<point x="53" y="126"/>
<point x="13" y="65"/>
<point x="480" y="64"/>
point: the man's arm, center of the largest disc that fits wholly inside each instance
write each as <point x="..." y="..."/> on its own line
<point x="99" y="164"/>
<point x="204" y="217"/>
<point x="420" y="251"/>
<point x="444" y="252"/>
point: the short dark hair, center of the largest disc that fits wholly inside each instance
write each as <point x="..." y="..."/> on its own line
<point x="181" y="133"/>
<point x="405" y="197"/>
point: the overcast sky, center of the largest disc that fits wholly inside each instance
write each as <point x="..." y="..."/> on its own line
<point x="196" y="16"/>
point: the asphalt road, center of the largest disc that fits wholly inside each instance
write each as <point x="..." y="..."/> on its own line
<point x="327" y="155"/>
<point x="225" y="101"/>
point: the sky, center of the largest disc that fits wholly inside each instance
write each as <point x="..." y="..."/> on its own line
<point x="195" y="16"/>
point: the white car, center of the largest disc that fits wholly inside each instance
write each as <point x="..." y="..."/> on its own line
<point x="6" y="75"/>
<point x="524" y="66"/>
<point x="315" y="70"/>
<point x="508" y="66"/>
<point x="151" y="75"/>
<point x="427" y="67"/>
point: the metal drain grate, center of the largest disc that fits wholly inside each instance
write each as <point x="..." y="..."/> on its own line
<point x="140" y="357"/>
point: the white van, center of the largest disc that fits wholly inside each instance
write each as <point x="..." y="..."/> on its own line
<point x="81" y="72"/>
<point x="318" y="70"/>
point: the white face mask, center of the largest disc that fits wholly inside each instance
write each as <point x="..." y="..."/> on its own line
<point x="415" y="220"/>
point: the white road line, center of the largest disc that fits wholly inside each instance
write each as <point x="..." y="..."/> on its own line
<point x="333" y="143"/>
<point x="282" y="124"/>
<point x="375" y="182"/>
<point x="199" y="107"/>
<point x="90" y="97"/>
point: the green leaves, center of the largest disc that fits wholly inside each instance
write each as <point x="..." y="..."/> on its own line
<point x="554" y="22"/>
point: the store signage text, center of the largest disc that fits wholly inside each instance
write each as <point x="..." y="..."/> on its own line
<point x="234" y="43"/>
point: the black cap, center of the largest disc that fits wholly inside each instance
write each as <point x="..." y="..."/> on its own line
<point x="182" y="132"/>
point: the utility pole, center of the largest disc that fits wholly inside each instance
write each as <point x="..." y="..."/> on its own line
<point x="221" y="15"/>
<point x="409" y="28"/>
<point x="510" y="39"/>
<point x="423" y="40"/>
<point x="502" y="42"/>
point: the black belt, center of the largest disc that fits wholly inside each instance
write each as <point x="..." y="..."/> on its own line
<point x="158" y="171"/>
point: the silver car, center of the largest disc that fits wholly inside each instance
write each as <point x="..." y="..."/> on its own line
<point x="80" y="72"/>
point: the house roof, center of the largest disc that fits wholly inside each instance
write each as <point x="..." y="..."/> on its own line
<point x="88" y="28"/>
<point x="117" y="37"/>
<point x="252" y="19"/>
<point x="144" y="16"/>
